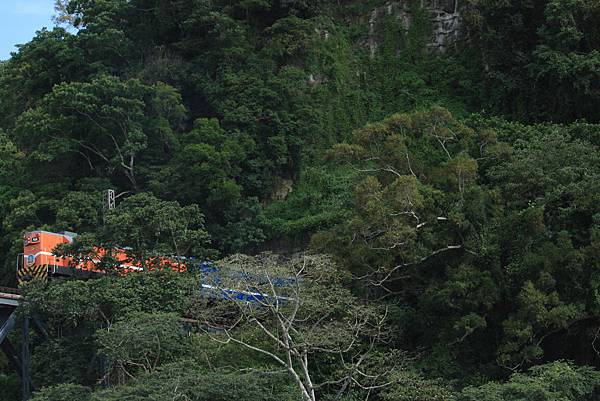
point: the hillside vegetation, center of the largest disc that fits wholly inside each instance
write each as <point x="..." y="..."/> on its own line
<point x="417" y="184"/>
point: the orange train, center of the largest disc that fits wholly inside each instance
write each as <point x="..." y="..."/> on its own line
<point x="38" y="262"/>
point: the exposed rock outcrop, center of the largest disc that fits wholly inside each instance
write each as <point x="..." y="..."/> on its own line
<point x="283" y="188"/>
<point x="443" y="15"/>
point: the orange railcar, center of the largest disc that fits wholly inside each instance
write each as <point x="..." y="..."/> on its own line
<point x="38" y="261"/>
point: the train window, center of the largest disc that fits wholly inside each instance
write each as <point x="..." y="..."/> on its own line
<point x="35" y="239"/>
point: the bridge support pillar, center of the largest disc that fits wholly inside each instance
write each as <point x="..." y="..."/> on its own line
<point x="25" y="361"/>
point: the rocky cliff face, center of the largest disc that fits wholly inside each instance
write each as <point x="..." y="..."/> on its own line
<point x="443" y="15"/>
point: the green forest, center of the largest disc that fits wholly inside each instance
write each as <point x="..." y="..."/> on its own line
<point x="418" y="182"/>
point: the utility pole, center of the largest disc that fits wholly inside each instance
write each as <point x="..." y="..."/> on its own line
<point x="108" y="203"/>
<point x="110" y="199"/>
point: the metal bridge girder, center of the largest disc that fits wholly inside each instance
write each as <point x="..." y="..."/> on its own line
<point x="8" y="318"/>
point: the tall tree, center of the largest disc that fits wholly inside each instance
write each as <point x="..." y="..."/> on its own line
<point x="304" y="315"/>
<point x="107" y="124"/>
<point x="152" y="229"/>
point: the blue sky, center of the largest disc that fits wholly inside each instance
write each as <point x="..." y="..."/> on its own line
<point x="20" y="19"/>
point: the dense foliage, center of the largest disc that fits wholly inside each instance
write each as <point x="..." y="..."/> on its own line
<point x="425" y="223"/>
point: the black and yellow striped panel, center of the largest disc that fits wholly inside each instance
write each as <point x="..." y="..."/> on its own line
<point x="26" y="274"/>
